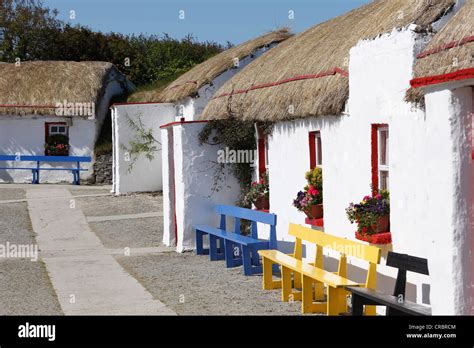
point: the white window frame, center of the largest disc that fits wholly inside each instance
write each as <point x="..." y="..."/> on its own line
<point x="383" y="167"/>
<point x="51" y="132"/>
<point x="318" y="147"/>
<point x="267" y="162"/>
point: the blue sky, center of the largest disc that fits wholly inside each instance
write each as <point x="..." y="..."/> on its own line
<point x="208" y="20"/>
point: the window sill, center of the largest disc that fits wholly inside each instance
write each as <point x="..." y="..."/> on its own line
<point x="263" y="210"/>
<point x="379" y="238"/>
<point x="315" y="222"/>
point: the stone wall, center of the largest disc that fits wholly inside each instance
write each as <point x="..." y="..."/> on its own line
<point x="102" y="169"/>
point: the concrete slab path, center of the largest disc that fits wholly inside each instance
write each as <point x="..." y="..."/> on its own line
<point x="85" y="276"/>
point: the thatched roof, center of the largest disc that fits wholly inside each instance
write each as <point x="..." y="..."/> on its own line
<point x="307" y="74"/>
<point x="36" y="87"/>
<point x="449" y="55"/>
<point x="190" y="82"/>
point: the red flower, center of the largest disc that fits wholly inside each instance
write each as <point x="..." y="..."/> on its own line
<point x="364" y="229"/>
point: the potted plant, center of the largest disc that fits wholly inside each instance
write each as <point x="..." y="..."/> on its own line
<point x="258" y="194"/>
<point x="371" y="215"/>
<point x="57" y="145"/>
<point x="310" y="200"/>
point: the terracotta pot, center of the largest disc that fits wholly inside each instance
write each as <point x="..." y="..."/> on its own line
<point x="262" y="203"/>
<point x="316" y="212"/>
<point x="383" y="224"/>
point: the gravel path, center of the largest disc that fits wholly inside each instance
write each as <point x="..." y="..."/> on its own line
<point x="192" y="285"/>
<point x="118" y="205"/>
<point x="132" y="233"/>
<point x="11" y="193"/>
<point x="25" y="287"/>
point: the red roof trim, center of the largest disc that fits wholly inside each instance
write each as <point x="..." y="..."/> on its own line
<point x="331" y="72"/>
<point x="445" y="47"/>
<point x="437" y="79"/>
<point x="180" y="122"/>
<point x="29" y="106"/>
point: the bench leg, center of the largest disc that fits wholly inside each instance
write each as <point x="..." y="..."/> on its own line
<point x="229" y="254"/>
<point x="307" y="297"/>
<point x="200" y="244"/>
<point x="247" y="260"/>
<point x="357" y="305"/>
<point x="297" y="281"/>
<point x="213" y="255"/>
<point x="319" y="291"/>
<point x="343" y="301"/>
<point x="285" y="284"/>
<point x="255" y="258"/>
<point x="334" y="296"/>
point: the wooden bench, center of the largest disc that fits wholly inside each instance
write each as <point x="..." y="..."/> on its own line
<point x="396" y="303"/>
<point x="35" y="170"/>
<point x="235" y="248"/>
<point x="312" y="278"/>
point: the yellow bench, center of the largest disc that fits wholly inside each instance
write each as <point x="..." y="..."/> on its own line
<point x="311" y="277"/>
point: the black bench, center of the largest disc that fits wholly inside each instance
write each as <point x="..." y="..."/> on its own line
<point x="396" y="304"/>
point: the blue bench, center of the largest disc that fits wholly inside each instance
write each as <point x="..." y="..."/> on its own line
<point x="235" y="248"/>
<point x="51" y="159"/>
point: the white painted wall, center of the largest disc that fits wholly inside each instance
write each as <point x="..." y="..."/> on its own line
<point x="425" y="169"/>
<point x="145" y="175"/>
<point x="25" y="135"/>
<point x="192" y="107"/>
<point x="194" y="169"/>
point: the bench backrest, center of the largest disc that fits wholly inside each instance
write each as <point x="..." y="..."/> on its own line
<point x="343" y="246"/>
<point x="32" y="158"/>
<point x="253" y="216"/>
<point x="405" y="263"/>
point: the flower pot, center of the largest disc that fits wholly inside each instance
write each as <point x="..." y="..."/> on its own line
<point x="316" y="212"/>
<point x="383" y="223"/>
<point x="262" y="203"/>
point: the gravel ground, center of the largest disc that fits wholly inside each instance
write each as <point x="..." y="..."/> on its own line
<point x="89" y="191"/>
<point x="7" y="194"/>
<point x="132" y="233"/>
<point x="118" y="205"/>
<point x="204" y="287"/>
<point x="25" y="287"/>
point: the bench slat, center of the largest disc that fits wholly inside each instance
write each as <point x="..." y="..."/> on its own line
<point x="33" y="158"/>
<point x="237" y="238"/>
<point x="408" y="307"/>
<point x="315" y="273"/>
<point x="247" y="214"/>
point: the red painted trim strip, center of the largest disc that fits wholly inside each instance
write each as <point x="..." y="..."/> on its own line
<point x="28" y="106"/>
<point x="331" y="72"/>
<point x="314" y="222"/>
<point x="181" y="122"/>
<point x="437" y="79"/>
<point x="445" y="47"/>
<point x="374" y="157"/>
<point x="312" y="150"/>
<point x="261" y="157"/>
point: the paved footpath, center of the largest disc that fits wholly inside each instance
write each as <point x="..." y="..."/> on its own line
<point x="85" y="276"/>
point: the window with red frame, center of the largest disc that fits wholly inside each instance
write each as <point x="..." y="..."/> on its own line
<point x="380" y="157"/>
<point x="262" y="147"/>
<point x="56" y="139"/>
<point x="315" y="150"/>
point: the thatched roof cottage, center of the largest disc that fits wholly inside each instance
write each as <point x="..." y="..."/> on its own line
<point x="336" y="96"/>
<point x="183" y="99"/>
<point x="44" y="99"/>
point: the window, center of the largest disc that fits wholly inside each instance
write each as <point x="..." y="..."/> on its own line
<point x="315" y="150"/>
<point x="262" y="143"/>
<point x="57" y="129"/>
<point x="383" y="158"/>
<point x="380" y="157"/>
